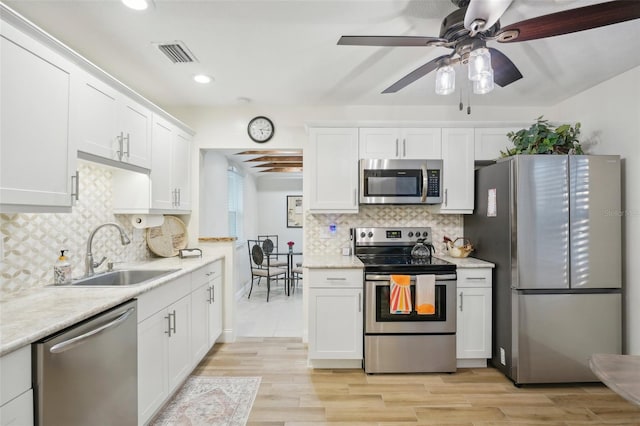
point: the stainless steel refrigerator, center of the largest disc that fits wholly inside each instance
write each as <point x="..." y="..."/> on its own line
<point x="552" y="226"/>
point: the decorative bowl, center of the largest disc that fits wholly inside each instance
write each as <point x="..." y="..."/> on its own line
<point x="460" y="247"/>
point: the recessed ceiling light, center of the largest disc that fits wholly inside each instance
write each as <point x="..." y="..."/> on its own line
<point x="202" y="78"/>
<point x="136" y="4"/>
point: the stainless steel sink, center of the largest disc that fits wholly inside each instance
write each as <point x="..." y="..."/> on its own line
<point x="122" y="277"/>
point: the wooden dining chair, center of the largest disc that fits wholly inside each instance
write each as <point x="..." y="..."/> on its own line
<point x="261" y="266"/>
<point x="270" y="245"/>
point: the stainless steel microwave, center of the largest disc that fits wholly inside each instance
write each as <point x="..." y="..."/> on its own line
<point x="400" y="181"/>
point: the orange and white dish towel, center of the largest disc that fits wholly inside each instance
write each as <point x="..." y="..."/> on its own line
<point x="426" y="294"/>
<point x="400" y="294"/>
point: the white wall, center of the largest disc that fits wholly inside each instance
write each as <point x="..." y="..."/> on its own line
<point x="272" y="199"/>
<point x="610" y="118"/>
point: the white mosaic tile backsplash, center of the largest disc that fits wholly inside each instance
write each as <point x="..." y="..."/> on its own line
<point x="32" y="242"/>
<point x="318" y="240"/>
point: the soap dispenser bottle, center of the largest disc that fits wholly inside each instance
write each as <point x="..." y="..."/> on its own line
<point x="62" y="270"/>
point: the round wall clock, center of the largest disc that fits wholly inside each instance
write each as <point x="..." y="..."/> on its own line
<point x="260" y="129"/>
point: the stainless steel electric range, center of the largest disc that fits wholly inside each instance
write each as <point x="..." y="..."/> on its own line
<point x="405" y="343"/>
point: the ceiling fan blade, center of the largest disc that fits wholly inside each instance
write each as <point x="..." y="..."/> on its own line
<point x="482" y="14"/>
<point x="505" y="72"/>
<point x="390" y="41"/>
<point x="415" y="75"/>
<point x="571" y="21"/>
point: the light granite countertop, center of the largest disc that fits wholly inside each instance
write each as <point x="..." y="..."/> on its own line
<point x="332" y="261"/>
<point x="42" y="311"/>
<point x="467" y="262"/>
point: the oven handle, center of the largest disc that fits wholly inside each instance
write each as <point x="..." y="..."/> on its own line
<point x="441" y="277"/>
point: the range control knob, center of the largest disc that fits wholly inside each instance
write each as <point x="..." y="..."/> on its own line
<point x="410" y="234"/>
<point x="362" y="235"/>
<point x="370" y="234"/>
<point x="417" y="234"/>
<point x="425" y="234"/>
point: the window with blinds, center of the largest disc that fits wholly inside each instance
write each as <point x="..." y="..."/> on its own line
<point x="235" y="191"/>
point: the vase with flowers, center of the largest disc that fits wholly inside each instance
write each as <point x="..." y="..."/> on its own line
<point x="290" y="244"/>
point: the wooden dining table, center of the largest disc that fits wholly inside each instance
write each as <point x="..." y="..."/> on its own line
<point x="621" y="374"/>
<point x="289" y="275"/>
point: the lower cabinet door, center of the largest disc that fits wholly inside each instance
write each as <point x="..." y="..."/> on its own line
<point x="18" y="411"/>
<point x="335" y="323"/>
<point x="200" y="307"/>
<point x="180" y="342"/>
<point x="153" y="380"/>
<point x="473" y="334"/>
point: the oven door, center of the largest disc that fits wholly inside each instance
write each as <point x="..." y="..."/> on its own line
<point x="379" y="319"/>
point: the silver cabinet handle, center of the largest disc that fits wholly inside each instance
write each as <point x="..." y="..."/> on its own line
<point x="446" y="197"/>
<point x="404" y="147"/>
<point x="355" y="197"/>
<point x="213" y="293"/>
<point x="75" y="186"/>
<point x="168" y="318"/>
<point x="477" y="278"/>
<point x="128" y="146"/>
<point x="397" y="148"/>
<point x="179" y="196"/>
<point x="174" y="321"/>
<point x="68" y="344"/>
<point x="461" y="298"/>
<point x="359" y="302"/>
<point x="120" y="151"/>
<point x="336" y="279"/>
<point x="174" y="196"/>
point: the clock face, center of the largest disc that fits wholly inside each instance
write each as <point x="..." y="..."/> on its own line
<point x="260" y="129"/>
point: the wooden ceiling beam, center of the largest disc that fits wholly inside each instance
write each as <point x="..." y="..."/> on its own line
<point x="271" y="152"/>
<point x="274" y="158"/>
<point x="288" y="164"/>
<point x="282" y="170"/>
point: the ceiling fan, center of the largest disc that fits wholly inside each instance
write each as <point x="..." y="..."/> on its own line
<point x="468" y="29"/>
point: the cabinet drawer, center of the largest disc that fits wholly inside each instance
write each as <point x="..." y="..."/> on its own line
<point x="205" y="274"/>
<point x="15" y="368"/>
<point x="351" y="278"/>
<point x="160" y="297"/>
<point x="474" y="277"/>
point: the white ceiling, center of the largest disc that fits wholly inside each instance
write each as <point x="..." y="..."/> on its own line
<point x="285" y="52"/>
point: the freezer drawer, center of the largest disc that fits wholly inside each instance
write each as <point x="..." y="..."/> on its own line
<point x="555" y="334"/>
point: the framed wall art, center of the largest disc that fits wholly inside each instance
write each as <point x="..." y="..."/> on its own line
<point x="294" y="211"/>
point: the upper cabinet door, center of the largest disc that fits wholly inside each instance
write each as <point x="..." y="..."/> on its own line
<point x="490" y="141"/>
<point x="181" y="170"/>
<point x="333" y="170"/>
<point x="135" y="122"/>
<point x="98" y="120"/>
<point x="457" y="164"/>
<point x="162" y="193"/>
<point x="37" y="155"/>
<point x="379" y="143"/>
<point x="421" y="144"/>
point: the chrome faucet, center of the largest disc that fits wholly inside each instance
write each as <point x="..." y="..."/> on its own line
<point x="89" y="264"/>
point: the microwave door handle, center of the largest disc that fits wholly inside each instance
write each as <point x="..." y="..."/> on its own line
<point x="424" y="183"/>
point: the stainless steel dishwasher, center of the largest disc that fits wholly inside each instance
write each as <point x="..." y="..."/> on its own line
<point x="87" y="374"/>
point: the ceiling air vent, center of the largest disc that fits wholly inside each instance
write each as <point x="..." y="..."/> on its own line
<point x="177" y="52"/>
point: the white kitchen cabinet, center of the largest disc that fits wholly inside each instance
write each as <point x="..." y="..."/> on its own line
<point x="335" y="314"/>
<point x="39" y="127"/>
<point x="16" y="394"/>
<point x="400" y="143"/>
<point x="113" y="126"/>
<point x="490" y="141"/>
<point x="473" y="334"/>
<point x="332" y="161"/>
<point x="164" y="344"/>
<point x="206" y="314"/>
<point x="170" y="167"/>
<point x="458" y="170"/>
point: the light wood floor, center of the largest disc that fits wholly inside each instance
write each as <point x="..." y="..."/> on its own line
<point x="292" y="394"/>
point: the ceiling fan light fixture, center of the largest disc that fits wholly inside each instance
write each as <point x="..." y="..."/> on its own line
<point x="445" y="80"/>
<point x="479" y="63"/>
<point x="484" y="84"/>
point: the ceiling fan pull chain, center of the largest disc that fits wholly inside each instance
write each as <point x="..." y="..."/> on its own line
<point x="460" y="105"/>
<point x="469" y="98"/>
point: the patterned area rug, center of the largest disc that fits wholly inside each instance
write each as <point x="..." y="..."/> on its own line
<point x="206" y="400"/>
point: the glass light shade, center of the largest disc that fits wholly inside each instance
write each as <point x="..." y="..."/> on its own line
<point x="484" y="84"/>
<point x="479" y="63"/>
<point x="445" y="80"/>
<point x="202" y="78"/>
